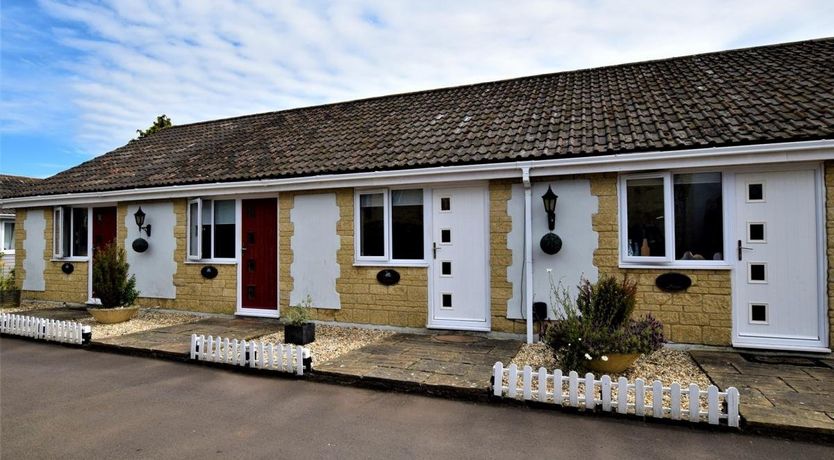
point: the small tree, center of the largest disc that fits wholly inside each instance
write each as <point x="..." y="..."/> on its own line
<point x="112" y="284"/>
<point x="161" y="123"/>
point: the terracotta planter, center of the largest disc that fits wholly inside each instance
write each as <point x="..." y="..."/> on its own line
<point x="113" y="315"/>
<point x="10" y="299"/>
<point x="616" y="363"/>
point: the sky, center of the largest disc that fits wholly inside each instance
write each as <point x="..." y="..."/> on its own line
<point x="77" y="79"/>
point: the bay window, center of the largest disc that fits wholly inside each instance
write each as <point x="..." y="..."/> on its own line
<point x="672" y="218"/>
<point x="211" y="229"/>
<point x="69" y="232"/>
<point x="389" y="225"/>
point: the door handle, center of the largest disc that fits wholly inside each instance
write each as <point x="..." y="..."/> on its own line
<point x="740" y="248"/>
<point x="434" y="249"/>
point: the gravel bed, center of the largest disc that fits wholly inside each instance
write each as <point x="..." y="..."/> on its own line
<point x="666" y="365"/>
<point x="144" y="320"/>
<point x="27" y="305"/>
<point x="334" y="341"/>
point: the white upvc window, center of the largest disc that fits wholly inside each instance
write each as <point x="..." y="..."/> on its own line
<point x="390" y="226"/>
<point x="7" y="236"/>
<point x="211" y="229"/>
<point x="70" y="238"/>
<point x="671" y="218"/>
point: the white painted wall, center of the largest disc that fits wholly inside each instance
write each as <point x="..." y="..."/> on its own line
<point x="154" y="268"/>
<point x="315" y="244"/>
<point x="574" y="212"/>
<point x="34" y="244"/>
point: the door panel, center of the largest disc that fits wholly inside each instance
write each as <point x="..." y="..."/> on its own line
<point x="776" y="283"/>
<point x="104" y="233"/>
<point x="259" y="258"/>
<point x="460" y="259"/>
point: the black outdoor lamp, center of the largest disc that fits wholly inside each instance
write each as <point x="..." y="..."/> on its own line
<point x="140" y="244"/>
<point x="140" y="222"/>
<point x="550" y="243"/>
<point x="549" y="199"/>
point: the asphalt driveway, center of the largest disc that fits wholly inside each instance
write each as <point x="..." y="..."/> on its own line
<point x="59" y="402"/>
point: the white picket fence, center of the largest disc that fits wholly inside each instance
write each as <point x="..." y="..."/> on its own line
<point x="253" y="353"/>
<point x="600" y="394"/>
<point x="42" y="328"/>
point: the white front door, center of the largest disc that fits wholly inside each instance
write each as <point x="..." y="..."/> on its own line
<point x="777" y="296"/>
<point x="460" y="259"/>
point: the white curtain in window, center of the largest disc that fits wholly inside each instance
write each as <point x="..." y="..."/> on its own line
<point x="224" y="212"/>
<point x="406" y="197"/>
<point x="371" y="200"/>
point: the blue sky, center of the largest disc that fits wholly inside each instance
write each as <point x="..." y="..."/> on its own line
<point x="78" y="78"/>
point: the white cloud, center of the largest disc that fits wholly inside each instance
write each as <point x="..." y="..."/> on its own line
<point x="200" y="60"/>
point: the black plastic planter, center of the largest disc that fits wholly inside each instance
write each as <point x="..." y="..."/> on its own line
<point x="300" y="335"/>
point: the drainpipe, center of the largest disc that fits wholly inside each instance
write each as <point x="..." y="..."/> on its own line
<point x="528" y="251"/>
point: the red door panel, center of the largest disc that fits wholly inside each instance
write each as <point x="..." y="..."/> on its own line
<point x="259" y="282"/>
<point x="104" y="227"/>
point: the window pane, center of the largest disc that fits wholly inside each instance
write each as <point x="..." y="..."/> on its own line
<point x="79" y="232"/>
<point x="645" y="217"/>
<point x="8" y="236"/>
<point x="194" y="226"/>
<point x="371" y="225"/>
<point x="65" y="231"/>
<point x="57" y="224"/>
<point x="224" y="229"/>
<point x="698" y="217"/>
<point x="407" y="224"/>
<point x="205" y="226"/>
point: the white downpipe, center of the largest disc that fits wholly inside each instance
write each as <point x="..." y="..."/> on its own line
<point x="528" y="251"/>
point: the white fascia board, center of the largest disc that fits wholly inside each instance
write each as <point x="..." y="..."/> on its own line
<point x="674" y="159"/>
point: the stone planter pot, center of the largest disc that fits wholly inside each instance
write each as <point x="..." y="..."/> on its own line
<point x="113" y="315"/>
<point x="10" y="299"/>
<point x="300" y="335"/>
<point x="616" y="363"/>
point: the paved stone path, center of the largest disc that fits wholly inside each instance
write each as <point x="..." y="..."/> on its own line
<point x="176" y="340"/>
<point x="445" y="360"/>
<point x="776" y="391"/>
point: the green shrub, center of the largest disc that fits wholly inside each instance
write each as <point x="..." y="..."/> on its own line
<point x="598" y="323"/>
<point x="111" y="282"/>
<point x="7" y="280"/>
<point x="297" y="315"/>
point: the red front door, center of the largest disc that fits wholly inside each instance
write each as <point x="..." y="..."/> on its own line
<point x="259" y="282"/>
<point x="104" y="227"/>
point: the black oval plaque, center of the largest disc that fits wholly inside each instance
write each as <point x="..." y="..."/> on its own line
<point x="673" y="282"/>
<point x="388" y="277"/>
<point x="67" y="268"/>
<point x="208" y="272"/>
<point x="140" y="245"/>
<point x="551" y="243"/>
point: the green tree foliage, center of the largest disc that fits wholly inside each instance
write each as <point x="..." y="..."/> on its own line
<point x="111" y="282"/>
<point x="161" y="123"/>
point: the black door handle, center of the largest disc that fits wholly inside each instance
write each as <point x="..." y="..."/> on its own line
<point x="740" y="248"/>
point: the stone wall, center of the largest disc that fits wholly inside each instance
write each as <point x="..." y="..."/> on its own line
<point x="500" y="258"/>
<point x="60" y="287"/>
<point x="19" y="251"/>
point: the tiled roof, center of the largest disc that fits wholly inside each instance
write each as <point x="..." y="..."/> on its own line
<point x="757" y="95"/>
<point x="14" y="185"/>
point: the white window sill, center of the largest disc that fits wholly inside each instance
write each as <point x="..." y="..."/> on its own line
<point x="7" y="251"/>
<point x="212" y="262"/>
<point x="71" y="259"/>
<point x="674" y="266"/>
<point x="392" y="263"/>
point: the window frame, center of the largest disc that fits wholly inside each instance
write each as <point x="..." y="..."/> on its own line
<point x="669" y="260"/>
<point x="388" y="258"/>
<point x="59" y="252"/>
<point x="199" y="256"/>
<point x="3" y="223"/>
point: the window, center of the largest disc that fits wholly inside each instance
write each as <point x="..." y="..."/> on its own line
<point x="672" y="217"/>
<point x="7" y="237"/>
<point x="70" y="237"/>
<point x="390" y="225"/>
<point x="211" y="229"/>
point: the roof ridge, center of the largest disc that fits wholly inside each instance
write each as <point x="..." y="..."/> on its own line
<point x="507" y="80"/>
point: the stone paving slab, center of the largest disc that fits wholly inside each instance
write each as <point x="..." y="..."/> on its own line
<point x="429" y="361"/>
<point x="791" y="393"/>
<point x="175" y="340"/>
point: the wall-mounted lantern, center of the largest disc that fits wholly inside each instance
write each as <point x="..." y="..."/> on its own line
<point x="550" y="242"/>
<point x="140" y="222"/>
<point x="549" y="199"/>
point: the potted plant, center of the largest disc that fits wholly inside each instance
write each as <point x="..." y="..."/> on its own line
<point x="9" y="293"/>
<point x="596" y="332"/>
<point x="298" y="329"/>
<point x="113" y="287"/>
